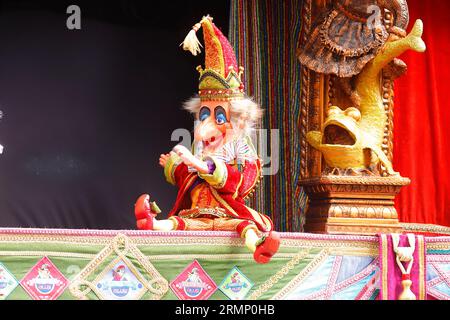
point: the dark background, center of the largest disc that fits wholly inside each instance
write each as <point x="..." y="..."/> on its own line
<point x="86" y="113"/>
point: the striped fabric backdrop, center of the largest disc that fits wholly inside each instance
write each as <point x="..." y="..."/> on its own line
<point x="265" y="35"/>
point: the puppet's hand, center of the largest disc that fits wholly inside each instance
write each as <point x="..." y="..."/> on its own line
<point x="163" y="159"/>
<point x="190" y="160"/>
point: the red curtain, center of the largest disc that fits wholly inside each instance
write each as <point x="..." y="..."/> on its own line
<point x="421" y="122"/>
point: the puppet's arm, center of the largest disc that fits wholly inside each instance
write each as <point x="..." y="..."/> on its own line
<point x="214" y="171"/>
<point x="175" y="170"/>
<point x="190" y="160"/>
<point x="229" y="179"/>
<point x="221" y="176"/>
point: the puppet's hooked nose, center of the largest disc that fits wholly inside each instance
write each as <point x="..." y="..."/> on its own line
<point x="207" y="131"/>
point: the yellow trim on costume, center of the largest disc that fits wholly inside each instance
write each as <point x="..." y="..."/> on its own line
<point x="170" y="167"/>
<point x="238" y="186"/>
<point x="255" y="182"/>
<point x="268" y="223"/>
<point x="201" y="196"/>
<point x="175" y="222"/>
<point x="195" y="195"/>
<point x="190" y="179"/>
<point x="260" y="218"/>
<point x="220" y="175"/>
<point x="223" y="202"/>
<point x="250" y="226"/>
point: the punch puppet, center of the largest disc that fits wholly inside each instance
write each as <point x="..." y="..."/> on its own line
<point x="223" y="169"/>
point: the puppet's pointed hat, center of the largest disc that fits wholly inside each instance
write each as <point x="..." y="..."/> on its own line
<point x="221" y="77"/>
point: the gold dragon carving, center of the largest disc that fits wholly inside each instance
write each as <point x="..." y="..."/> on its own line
<point x="352" y="138"/>
<point x="344" y="44"/>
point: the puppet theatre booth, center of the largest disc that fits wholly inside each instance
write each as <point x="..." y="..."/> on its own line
<point x="300" y="182"/>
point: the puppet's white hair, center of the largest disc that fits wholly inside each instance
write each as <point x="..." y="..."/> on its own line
<point x="192" y="105"/>
<point x="243" y="110"/>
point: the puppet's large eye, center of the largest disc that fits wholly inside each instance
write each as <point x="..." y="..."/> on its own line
<point x="204" y="113"/>
<point x="220" y="114"/>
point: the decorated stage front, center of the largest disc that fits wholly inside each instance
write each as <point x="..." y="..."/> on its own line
<point x="94" y="264"/>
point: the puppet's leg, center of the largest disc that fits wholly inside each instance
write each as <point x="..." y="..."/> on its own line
<point x="267" y="247"/>
<point x="146" y="211"/>
<point x="192" y="224"/>
<point x="153" y="224"/>
<point x="143" y="213"/>
<point x="262" y="246"/>
<point x="251" y="239"/>
<point x="164" y="225"/>
<point x="175" y="223"/>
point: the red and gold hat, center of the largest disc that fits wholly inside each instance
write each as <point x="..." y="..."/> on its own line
<point x="221" y="78"/>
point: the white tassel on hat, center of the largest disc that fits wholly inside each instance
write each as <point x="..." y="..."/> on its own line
<point x="191" y="42"/>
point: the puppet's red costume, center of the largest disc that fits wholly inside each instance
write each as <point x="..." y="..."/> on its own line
<point x="222" y="195"/>
<point x="215" y="200"/>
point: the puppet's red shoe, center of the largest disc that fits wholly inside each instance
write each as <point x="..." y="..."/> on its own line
<point x="145" y="224"/>
<point x="145" y="211"/>
<point x="142" y="207"/>
<point x="267" y="248"/>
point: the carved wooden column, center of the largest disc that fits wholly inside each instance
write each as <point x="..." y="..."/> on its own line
<point x="352" y="205"/>
<point x="343" y="201"/>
